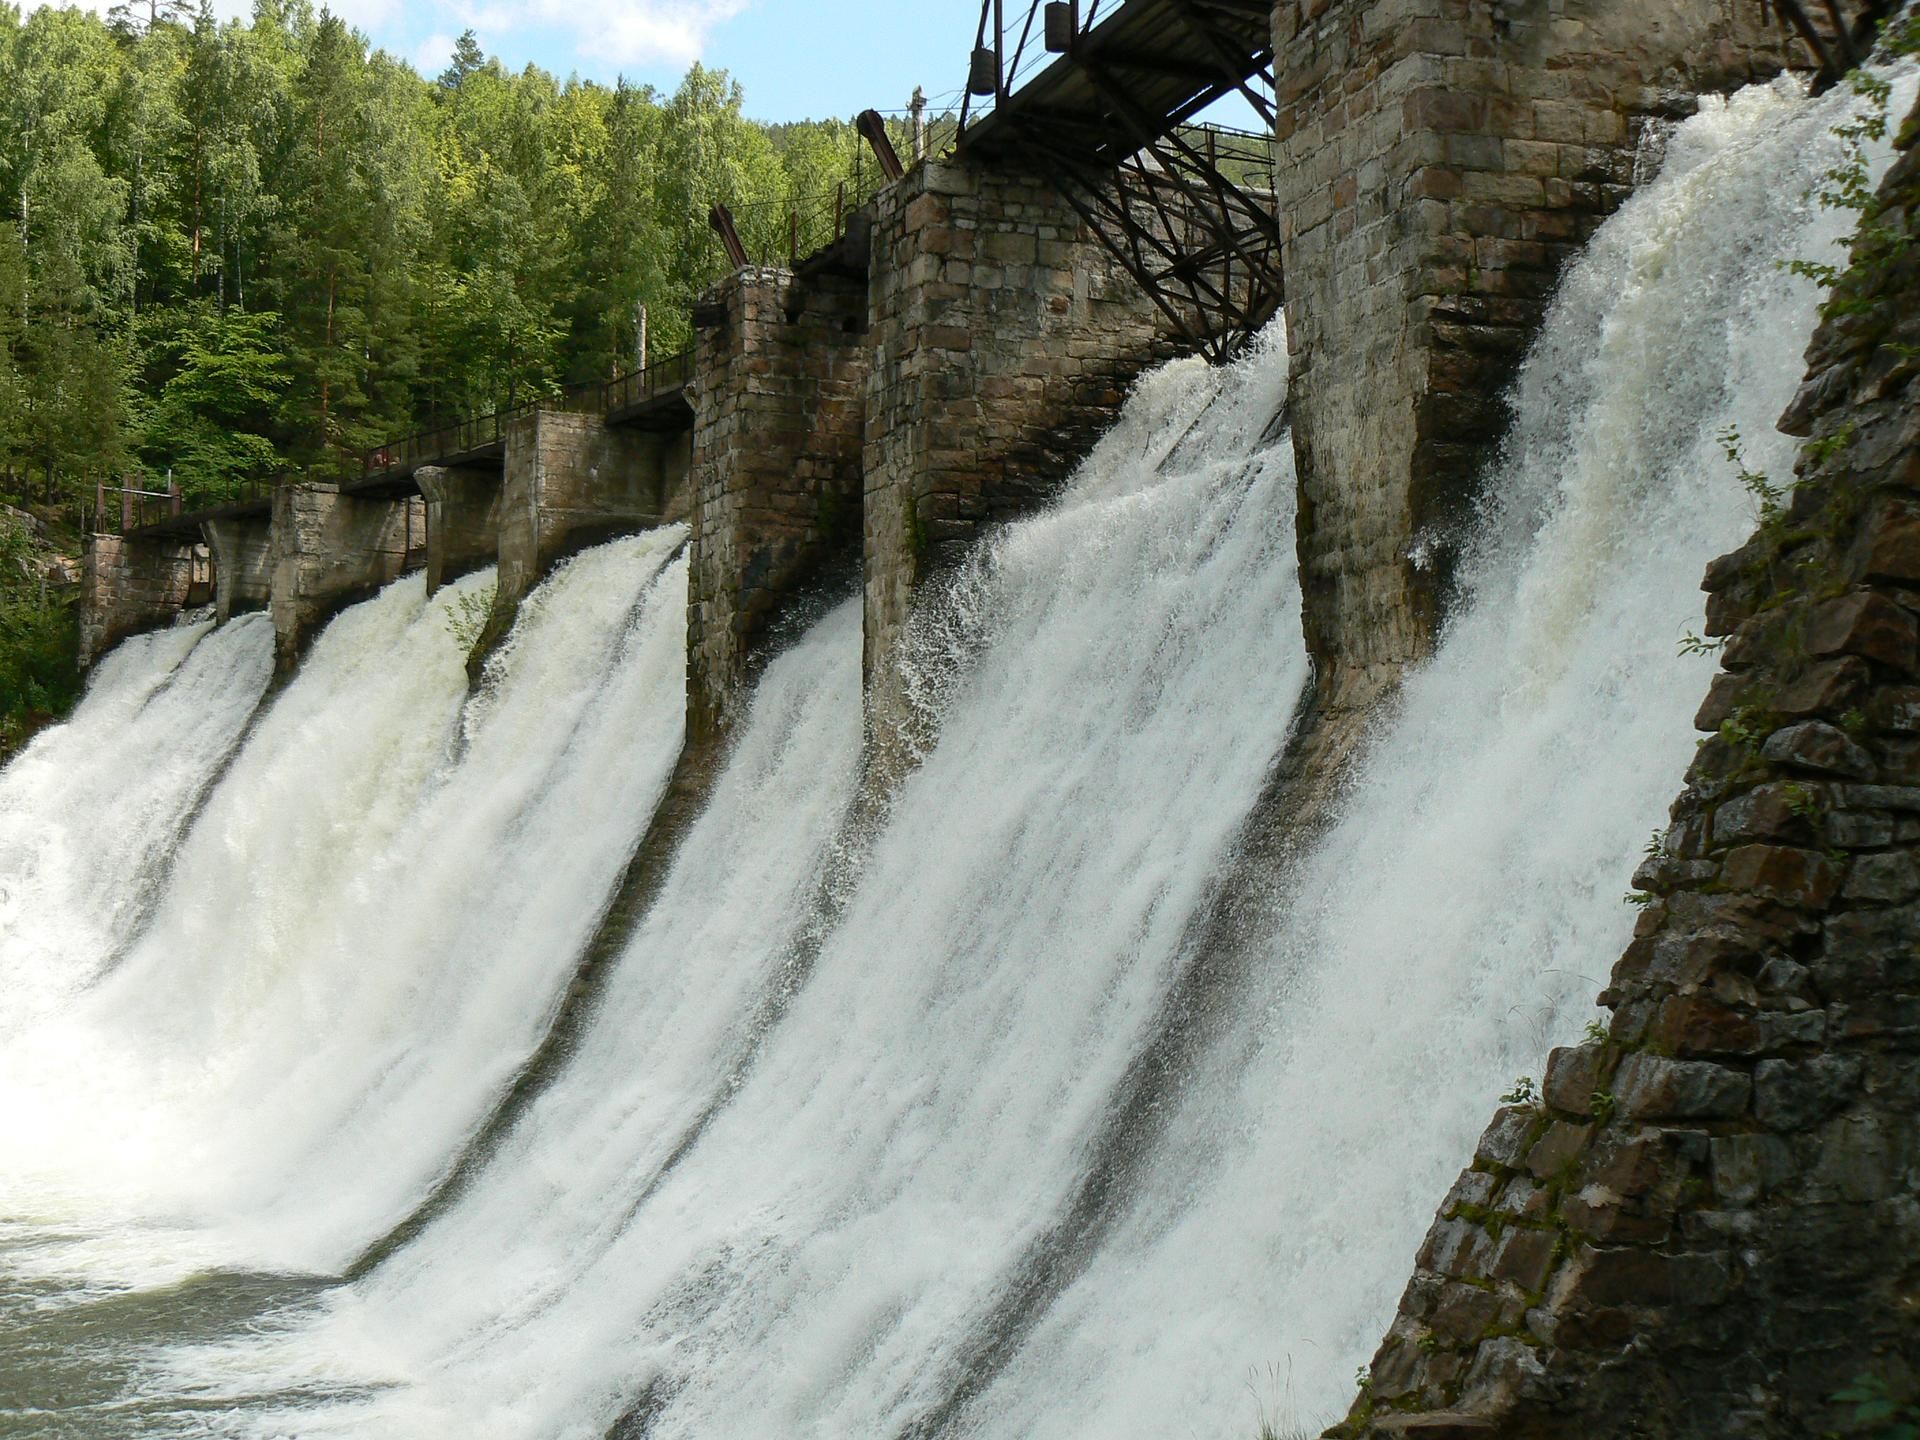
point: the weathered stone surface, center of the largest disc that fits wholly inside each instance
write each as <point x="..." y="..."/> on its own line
<point x="1784" y="873"/>
<point x="1883" y="879"/>
<point x="571" y="481"/>
<point x="242" y="563"/>
<point x="1437" y="164"/>
<point x="1573" y="1074"/>
<point x="1796" y="1095"/>
<point x="1511" y="1134"/>
<point x="463" y="519"/>
<point x="1816" y="745"/>
<point x="1557" y="1148"/>
<point x="131" y="584"/>
<point x="1749" y="1188"/>
<point x="1652" y="1087"/>
<point x="779" y="394"/>
<point x="329" y="550"/>
<point x="1865" y="624"/>
<point x="992" y="374"/>
<point x="1766" y="812"/>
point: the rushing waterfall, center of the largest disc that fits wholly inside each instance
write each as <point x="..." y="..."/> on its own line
<point x="821" y="1160"/>
<point x="1468" y="905"/>
<point x="90" y="813"/>
<point x="364" y="934"/>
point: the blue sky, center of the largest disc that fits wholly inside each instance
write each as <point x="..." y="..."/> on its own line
<point x="796" y="59"/>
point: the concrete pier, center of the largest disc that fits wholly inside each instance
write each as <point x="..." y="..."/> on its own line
<point x="1436" y="165"/>
<point x="242" y="563"/>
<point x="778" y="389"/>
<point x="133" y="583"/>
<point x="1004" y="339"/>
<point x="329" y="550"/>
<point x="463" y="519"/>
<point x="571" y="481"/>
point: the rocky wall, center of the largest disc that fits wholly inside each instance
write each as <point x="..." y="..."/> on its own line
<point x="1437" y="161"/>
<point x="779" y="388"/>
<point x="1004" y="338"/>
<point x="128" y="584"/>
<point x="1708" y="1224"/>
<point x="329" y="550"/>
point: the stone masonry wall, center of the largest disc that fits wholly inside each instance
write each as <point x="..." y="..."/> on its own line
<point x="463" y="519"/>
<point x="1710" y="1222"/>
<point x="1004" y="339"/>
<point x="127" y="585"/>
<point x="571" y="481"/>
<point x="242" y="563"/>
<point x="328" y="551"/>
<point x="1437" y="161"/>
<point x="778" y="392"/>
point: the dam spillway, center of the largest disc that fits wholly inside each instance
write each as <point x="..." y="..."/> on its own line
<point x="836" y="1148"/>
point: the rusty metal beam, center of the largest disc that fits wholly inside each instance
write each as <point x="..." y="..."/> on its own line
<point x="874" y="129"/>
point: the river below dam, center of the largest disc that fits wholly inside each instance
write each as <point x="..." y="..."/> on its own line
<point x="859" y="1137"/>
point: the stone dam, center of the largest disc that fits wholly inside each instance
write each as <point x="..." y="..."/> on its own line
<point x="1701" y="1221"/>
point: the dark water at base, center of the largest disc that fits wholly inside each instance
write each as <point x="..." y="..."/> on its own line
<point x="73" y="1365"/>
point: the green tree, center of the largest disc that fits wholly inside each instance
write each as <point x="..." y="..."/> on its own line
<point x="211" y="423"/>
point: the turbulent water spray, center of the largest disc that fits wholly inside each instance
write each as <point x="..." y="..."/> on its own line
<point x="789" y="1184"/>
<point x="1467" y="906"/>
<point x="370" y="925"/>
<point x="850" y="1190"/>
<point x="90" y="813"/>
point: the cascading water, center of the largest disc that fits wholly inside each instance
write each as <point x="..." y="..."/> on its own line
<point x="849" y="1189"/>
<point x="812" y="1149"/>
<point x="366" y="931"/>
<point x="90" y="813"/>
<point x="1468" y="904"/>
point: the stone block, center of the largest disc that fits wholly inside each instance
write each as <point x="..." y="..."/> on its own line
<point x="1652" y="1087"/>
<point x="1865" y="624"/>
<point x="1792" y="876"/>
<point x="1818" y="746"/>
<point x="1798" y="1094"/>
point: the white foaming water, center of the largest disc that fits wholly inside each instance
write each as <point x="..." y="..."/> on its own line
<point x="89" y="813"/>
<point x="775" y="1193"/>
<point x="1468" y="904"/>
<point x="1119" y="673"/>
<point x="366" y="933"/>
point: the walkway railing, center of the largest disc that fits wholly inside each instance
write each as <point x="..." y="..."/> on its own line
<point x="123" y="509"/>
<point x="626" y="392"/>
<point x="481" y="434"/>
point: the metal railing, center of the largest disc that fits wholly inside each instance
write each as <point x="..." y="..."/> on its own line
<point x="123" y="509"/>
<point x="781" y="232"/>
<point x="481" y="433"/>
<point x="663" y="377"/>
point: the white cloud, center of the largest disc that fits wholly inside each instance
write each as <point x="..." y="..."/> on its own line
<point x="620" y="32"/>
<point x="432" y="55"/>
<point x="626" y="32"/>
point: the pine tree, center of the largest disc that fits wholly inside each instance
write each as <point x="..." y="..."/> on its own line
<point x="467" y="58"/>
<point x="142" y="17"/>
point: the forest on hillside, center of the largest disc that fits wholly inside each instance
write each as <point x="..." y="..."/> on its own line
<point x="257" y="246"/>
<point x="237" y="249"/>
